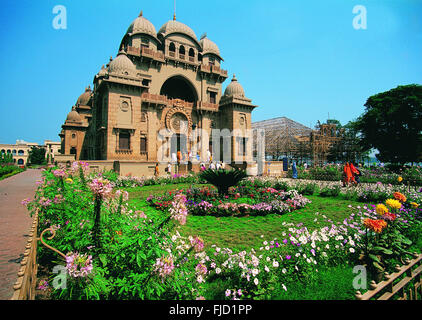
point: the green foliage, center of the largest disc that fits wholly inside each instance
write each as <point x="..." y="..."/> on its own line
<point x="330" y="191"/>
<point x="223" y="179"/>
<point x="391" y="124"/>
<point x="37" y="155"/>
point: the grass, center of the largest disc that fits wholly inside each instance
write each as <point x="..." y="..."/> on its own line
<point x="335" y="283"/>
<point x="241" y="233"/>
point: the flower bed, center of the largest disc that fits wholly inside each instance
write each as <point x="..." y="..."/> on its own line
<point x="114" y="251"/>
<point x="240" y="202"/>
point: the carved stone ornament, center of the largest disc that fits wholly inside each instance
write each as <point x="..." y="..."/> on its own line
<point x="178" y="121"/>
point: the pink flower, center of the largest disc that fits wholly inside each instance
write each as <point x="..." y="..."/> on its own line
<point x="164" y="266"/>
<point x="201" y="269"/>
<point x="78" y="265"/>
<point x="197" y="243"/>
<point x="101" y="187"/>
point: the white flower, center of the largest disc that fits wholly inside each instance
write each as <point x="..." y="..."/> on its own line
<point x="327" y="246"/>
<point x="267" y="248"/>
<point x="284" y="270"/>
<point x="268" y="259"/>
<point x="284" y="287"/>
<point x="265" y="243"/>
<point x="266" y="269"/>
<point x="217" y="270"/>
<point x="255" y="281"/>
<point x="352" y="250"/>
<point x="275" y="264"/>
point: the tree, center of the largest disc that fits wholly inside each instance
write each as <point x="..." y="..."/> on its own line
<point x="349" y="148"/>
<point x="392" y="124"/>
<point x="37" y="155"/>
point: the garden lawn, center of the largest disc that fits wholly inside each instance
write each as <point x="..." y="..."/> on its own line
<point x="242" y="233"/>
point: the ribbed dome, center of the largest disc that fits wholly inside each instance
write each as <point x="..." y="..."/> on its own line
<point x="84" y="97"/>
<point x="142" y="25"/>
<point x="74" y="116"/>
<point x="209" y="47"/>
<point x="234" y="89"/>
<point x="122" y="64"/>
<point x="174" y="26"/>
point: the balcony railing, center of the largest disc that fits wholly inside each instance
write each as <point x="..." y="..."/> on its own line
<point x="155" y="98"/>
<point x="213" y="69"/>
<point x="124" y="151"/>
<point x="145" y="52"/>
<point x="208" y="105"/>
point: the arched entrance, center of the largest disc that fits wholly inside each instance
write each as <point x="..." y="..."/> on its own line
<point x="178" y="87"/>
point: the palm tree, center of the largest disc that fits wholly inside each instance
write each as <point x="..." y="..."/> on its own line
<point x="223" y="179"/>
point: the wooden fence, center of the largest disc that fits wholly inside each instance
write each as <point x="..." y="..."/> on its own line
<point x="27" y="275"/>
<point x="404" y="284"/>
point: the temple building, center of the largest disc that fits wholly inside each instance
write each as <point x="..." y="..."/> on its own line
<point x="159" y="80"/>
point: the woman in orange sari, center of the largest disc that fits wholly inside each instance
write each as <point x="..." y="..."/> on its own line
<point x="347" y="174"/>
<point x="355" y="172"/>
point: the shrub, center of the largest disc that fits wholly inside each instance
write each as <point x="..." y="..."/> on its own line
<point x="223" y="179"/>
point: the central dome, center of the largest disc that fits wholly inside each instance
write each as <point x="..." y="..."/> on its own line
<point x="174" y="26"/>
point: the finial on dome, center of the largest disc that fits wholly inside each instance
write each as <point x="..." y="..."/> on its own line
<point x="234" y="77"/>
<point x="174" y="17"/>
<point x="141" y="13"/>
<point x="111" y="58"/>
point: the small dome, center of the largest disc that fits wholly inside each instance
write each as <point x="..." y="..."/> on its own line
<point x="122" y="64"/>
<point x="84" y="97"/>
<point x="74" y="116"/>
<point x="102" y="72"/>
<point x="174" y="26"/>
<point x="209" y="47"/>
<point x="234" y="89"/>
<point x="142" y="25"/>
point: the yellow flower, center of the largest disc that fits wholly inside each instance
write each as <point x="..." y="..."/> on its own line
<point x="381" y="209"/>
<point x="69" y="180"/>
<point x="414" y="205"/>
<point x="399" y="179"/>
<point x="392" y="203"/>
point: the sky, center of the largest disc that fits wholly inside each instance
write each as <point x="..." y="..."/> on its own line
<point x="305" y="60"/>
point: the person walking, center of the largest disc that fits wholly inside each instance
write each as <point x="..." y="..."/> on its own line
<point x="156" y="171"/>
<point x="294" y="170"/>
<point x="355" y="172"/>
<point x="347" y="175"/>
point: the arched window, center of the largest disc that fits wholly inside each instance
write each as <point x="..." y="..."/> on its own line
<point x="14" y="152"/>
<point x="20" y="162"/>
<point x="8" y="151"/>
<point x="191" y="55"/>
<point x="172" y="50"/>
<point x="21" y="152"/>
<point x="73" y="150"/>
<point x="3" y="151"/>
<point x="182" y="52"/>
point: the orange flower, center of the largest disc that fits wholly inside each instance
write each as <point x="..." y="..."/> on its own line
<point x="399" y="196"/>
<point x="376" y="225"/>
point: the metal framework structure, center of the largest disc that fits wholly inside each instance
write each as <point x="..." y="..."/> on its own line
<point x="287" y="138"/>
<point x="284" y="137"/>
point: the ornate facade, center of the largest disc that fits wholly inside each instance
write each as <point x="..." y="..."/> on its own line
<point x="159" y="80"/>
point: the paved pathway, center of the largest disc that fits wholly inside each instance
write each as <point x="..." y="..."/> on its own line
<point x="15" y="224"/>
